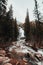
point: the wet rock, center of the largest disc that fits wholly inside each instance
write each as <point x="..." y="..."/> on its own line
<point x="34" y="48"/>
<point x="7" y="64"/>
<point x="2" y="52"/>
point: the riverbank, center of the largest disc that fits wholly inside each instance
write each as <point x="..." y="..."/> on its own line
<point x="19" y="53"/>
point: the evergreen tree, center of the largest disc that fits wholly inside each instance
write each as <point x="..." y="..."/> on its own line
<point x="9" y="21"/>
<point x="2" y="7"/>
<point x="38" y="19"/>
<point x="10" y="13"/>
<point x="2" y="18"/>
<point x="15" y="30"/>
<point x="4" y="1"/>
<point x="27" y="27"/>
<point x="37" y="12"/>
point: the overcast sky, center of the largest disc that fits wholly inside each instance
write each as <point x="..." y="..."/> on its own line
<point x="20" y="8"/>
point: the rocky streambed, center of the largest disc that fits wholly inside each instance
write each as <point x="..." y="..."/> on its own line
<point x="27" y="53"/>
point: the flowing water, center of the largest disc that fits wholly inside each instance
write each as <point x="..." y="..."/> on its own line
<point x="21" y="47"/>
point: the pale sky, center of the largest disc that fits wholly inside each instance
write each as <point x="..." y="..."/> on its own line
<point x="20" y="8"/>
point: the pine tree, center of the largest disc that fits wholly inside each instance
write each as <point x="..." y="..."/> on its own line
<point x="2" y="7"/>
<point x="27" y="27"/>
<point x="38" y="19"/>
<point x="4" y="1"/>
<point x="2" y="17"/>
<point x="10" y="12"/>
<point x="9" y="21"/>
<point x="37" y="12"/>
<point x="15" y="30"/>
